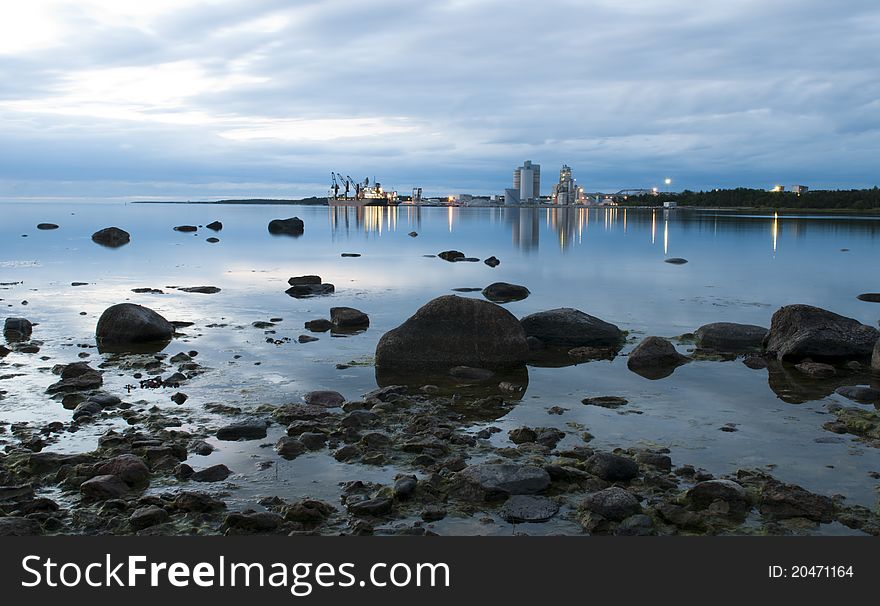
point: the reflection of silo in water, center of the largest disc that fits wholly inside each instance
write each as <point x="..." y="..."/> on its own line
<point x="524" y="223"/>
<point x="564" y="221"/>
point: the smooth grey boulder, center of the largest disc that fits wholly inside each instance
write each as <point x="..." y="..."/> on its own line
<point x="655" y="358"/>
<point x="730" y="337"/>
<point x="804" y="331"/>
<point x="290" y="227"/>
<point x="613" y="503"/>
<point x="496" y="479"/>
<point x="567" y="327"/>
<point x="348" y="317"/>
<point x="454" y="331"/>
<point x="129" y="324"/>
<point x="111" y="237"/>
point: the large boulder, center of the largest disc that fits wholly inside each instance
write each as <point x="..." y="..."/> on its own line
<point x="454" y="331"/>
<point x="290" y="227"/>
<point x="566" y="327"/>
<point x="730" y="337"/>
<point x="128" y="324"/>
<point x="655" y="358"/>
<point x="17" y="329"/>
<point x="804" y="331"/>
<point x="111" y="237"/>
<point x="348" y="317"/>
<point x="491" y="480"/>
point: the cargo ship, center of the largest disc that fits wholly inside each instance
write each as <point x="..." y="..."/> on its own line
<point x="345" y="191"/>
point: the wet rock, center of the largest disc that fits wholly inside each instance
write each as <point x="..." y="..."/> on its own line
<point x="306" y="339"/>
<point x="469" y="373"/>
<point x="730" y="337"/>
<point x="203" y="290"/>
<point x="566" y="327"/>
<point x="613" y="503"/>
<point x="186" y="228"/>
<point x="454" y="331"/>
<point x="16" y="493"/>
<point x="78" y="376"/>
<point x="103" y="487"/>
<point x="433" y="513"/>
<point x="348" y="317"/>
<point x="782" y="501"/>
<point x="605" y="401"/>
<point x="492" y="262"/>
<point x="257" y="521"/>
<point x="179" y="398"/>
<point x="755" y="362"/>
<point x="201" y="448"/>
<point x="802" y="331"/>
<point x="214" y="225"/>
<point x="326" y="398"/>
<point x="527" y="508"/>
<point x="412" y="234"/>
<point x="19" y="527"/>
<point x="289" y="448"/>
<point x="612" y="467"/>
<point x="307" y="511"/>
<point x="704" y="494"/>
<point x="313" y="440"/>
<point x="127" y="324"/>
<point x="289" y="227"/>
<point x="350" y="255"/>
<point x="675" y="261"/>
<point x="875" y="359"/>
<point x="405" y="487"/>
<point x="655" y="358"/>
<point x="47" y="226"/>
<point x="816" y="370"/>
<point x="451" y="255"/>
<point x="639" y="525"/>
<point x="4" y="351"/>
<point x="371" y="507"/>
<point x="111" y="237"/>
<point x="301" y="291"/>
<point x="320" y="325"/>
<point x="503" y="292"/>
<point x="214" y="473"/>
<point x="243" y="430"/>
<point x="494" y="479"/>
<point x="655" y="459"/>
<point x="144" y="517"/>
<point x="130" y="468"/>
<point x="17" y="329"/>
<point x="522" y="435"/>
<point x="359" y="418"/>
<point x="197" y="502"/>
<point x="183" y="472"/>
<point x="86" y="409"/>
<point x="212" y="240"/>
<point x="869" y="297"/>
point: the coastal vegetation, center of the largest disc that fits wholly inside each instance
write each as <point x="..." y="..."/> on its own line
<point x="742" y="197"/>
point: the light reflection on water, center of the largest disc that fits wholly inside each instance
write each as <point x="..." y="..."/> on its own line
<point x="606" y="261"/>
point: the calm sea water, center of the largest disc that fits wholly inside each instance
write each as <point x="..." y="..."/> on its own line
<point x="607" y="262"/>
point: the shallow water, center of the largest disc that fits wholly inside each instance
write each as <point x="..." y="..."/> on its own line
<point x="606" y="262"/>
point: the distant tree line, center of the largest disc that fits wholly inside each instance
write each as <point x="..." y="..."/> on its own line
<point x="849" y="199"/>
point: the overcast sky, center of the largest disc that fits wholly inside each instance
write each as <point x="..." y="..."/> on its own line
<point x="213" y="98"/>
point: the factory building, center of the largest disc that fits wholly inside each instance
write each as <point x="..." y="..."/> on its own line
<point x="526" y="182"/>
<point x="567" y="191"/>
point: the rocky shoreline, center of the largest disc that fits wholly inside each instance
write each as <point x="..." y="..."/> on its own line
<point x="444" y="376"/>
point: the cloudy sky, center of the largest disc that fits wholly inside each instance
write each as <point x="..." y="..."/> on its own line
<point x="230" y="98"/>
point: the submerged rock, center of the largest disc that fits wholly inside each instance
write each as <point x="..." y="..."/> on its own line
<point x="503" y="292"/>
<point x="17" y="329"/>
<point x="655" y="358"/>
<point x="243" y="430"/>
<point x="454" y="331"/>
<point x="451" y="255"/>
<point x="675" y="261"/>
<point x="566" y="327"/>
<point x="803" y="331"/>
<point x="214" y="225"/>
<point x="816" y="370"/>
<point x="129" y="324"/>
<point x="858" y="393"/>
<point x="527" y="508"/>
<point x="320" y="325"/>
<point x="290" y="227"/>
<point x="204" y="290"/>
<point x="730" y="337"/>
<point x="111" y="237"/>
